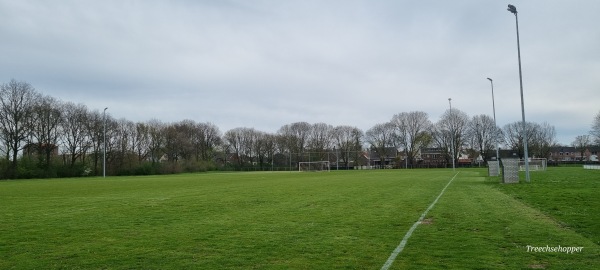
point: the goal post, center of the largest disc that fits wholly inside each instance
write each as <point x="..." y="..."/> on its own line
<point x="535" y="164"/>
<point x="313" y="166"/>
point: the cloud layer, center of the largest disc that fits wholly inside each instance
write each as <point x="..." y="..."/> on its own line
<point x="264" y="64"/>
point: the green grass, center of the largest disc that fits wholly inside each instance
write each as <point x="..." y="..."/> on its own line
<point x="571" y="196"/>
<point x="341" y="220"/>
<point x="476" y="225"/>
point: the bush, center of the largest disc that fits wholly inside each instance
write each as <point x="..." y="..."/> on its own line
<point x="147" y="169"/>
<point x="30" y="167"/>
<point x="4" y="169"/>
<point x="27" y="168"/>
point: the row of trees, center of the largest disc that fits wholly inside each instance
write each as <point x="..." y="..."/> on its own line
<point x="44" y="137"/>
<point x="478" y="135"/>
<point x="583" y="142"/>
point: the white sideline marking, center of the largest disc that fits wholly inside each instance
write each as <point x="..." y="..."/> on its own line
<point x="400" y="247"/>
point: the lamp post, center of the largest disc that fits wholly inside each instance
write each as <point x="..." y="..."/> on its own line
<point x="495" y="125"/>
<point x="405" y="147"/>
<point x="452" y="135"/>
<point x="513" y="10"/>
<point x="337" y="160"/>
<point x="104" y="142"/>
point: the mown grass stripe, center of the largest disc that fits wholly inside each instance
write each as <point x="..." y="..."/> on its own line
<point x="400" y="247"/>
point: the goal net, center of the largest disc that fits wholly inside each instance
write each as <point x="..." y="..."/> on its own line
<point x="313" y="166"/>
<point x="535" y="164"/>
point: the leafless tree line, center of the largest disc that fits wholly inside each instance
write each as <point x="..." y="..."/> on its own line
<point x="56" y="138"/>
<point x="475" y="136"/>
<point x="584" y="142"/>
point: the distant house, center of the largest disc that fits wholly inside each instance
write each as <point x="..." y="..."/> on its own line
<point x="387" y="159"/>
<point x="464" y="160"/>
<point x="432" y="158"/>
<point x="564" y="153"/>
<point x="569" y="153"/>
<point x="32" y="149"/>
<point x="508" y="153"/>
<point x="591" y="153"/>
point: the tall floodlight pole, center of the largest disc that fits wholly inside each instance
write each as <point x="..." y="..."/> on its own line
<point x="513" y="10"/>
<point x="104" y="142"/>
<point x="495" y="125"/>
<point x="452" y="135"/>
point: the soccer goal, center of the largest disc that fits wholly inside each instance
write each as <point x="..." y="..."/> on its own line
<point x="313" y="166"/>
<point x="535" y="164"/>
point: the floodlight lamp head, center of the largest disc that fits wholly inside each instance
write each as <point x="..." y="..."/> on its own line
<point x="489" y="79"/>
<point x="512" y="9"/>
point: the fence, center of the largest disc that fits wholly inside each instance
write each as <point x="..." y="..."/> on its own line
<point x="591" y="167"/>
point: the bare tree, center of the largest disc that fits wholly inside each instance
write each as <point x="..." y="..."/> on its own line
<point x="484" y="135"/>
<point x="595" y="132"/>
<point x="450" y="132"/>
<point x="295" y="138"/>
<point x="44" y="129"/>
<point x="513" y="136"/>
<point x="248" y="144"/>
<point x="113" y="143"/>
<point x="540" y="138"/>
<point x="268" y="147"/>
<point x="582" y="143"/>
<point x="171" y="147"/>
<point x="209" y="138"/>
<point x="413" y="132"/>
<point x="142" y="141"/>
<point x="157" y="137"/>
<point x="16" y="103"/>
<point x="94" y="132"/>
<point x="347" y="140"/>
<point x="320" y="140"/>
<point x="125" y="143"/>
<point x="442" y="139"/>
<point x="251" y="147"/>
<point x="234" y="138"/>
<point x="264" y="147"/>
<point x="179" y="140"/>
<point x="73" y="133"/>
<point x="543" y="139"/>
<point x="381" y="138"/>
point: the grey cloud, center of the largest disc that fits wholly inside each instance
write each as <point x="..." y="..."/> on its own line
<point x="269" y="63"/>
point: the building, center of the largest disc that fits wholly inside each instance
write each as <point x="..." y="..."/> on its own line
<point x="387" y="159"/>
<point x="32" y="149"/>
<point x="432" y="158"/>
<point x="573" y="154"/>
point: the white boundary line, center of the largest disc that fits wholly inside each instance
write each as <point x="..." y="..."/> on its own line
<point x="400" y="247"/>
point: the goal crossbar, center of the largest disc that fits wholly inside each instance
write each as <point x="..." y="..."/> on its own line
<point x="535" y="164"/>
<point x="313" y="166"/>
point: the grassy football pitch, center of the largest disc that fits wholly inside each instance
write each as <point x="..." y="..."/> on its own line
<point x="292" y="220"/>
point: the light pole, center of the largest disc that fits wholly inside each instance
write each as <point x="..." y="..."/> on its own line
<point x="452" y="135"/>
<point x="405" y="148"/>
<point x="104" y="142"/>
<point x="337" y="160"/>
<point x="513" y="10"/>
<point x="495" y="125"/>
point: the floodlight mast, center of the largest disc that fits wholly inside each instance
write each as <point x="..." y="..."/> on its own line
<point x="495" y="125"/>
<point x="104" y="142"/>
<point x="513" y="10"/>
<point x="452" y="135"/>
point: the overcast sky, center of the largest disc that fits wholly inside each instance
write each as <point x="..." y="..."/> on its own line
<point x="265" y="64"/>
